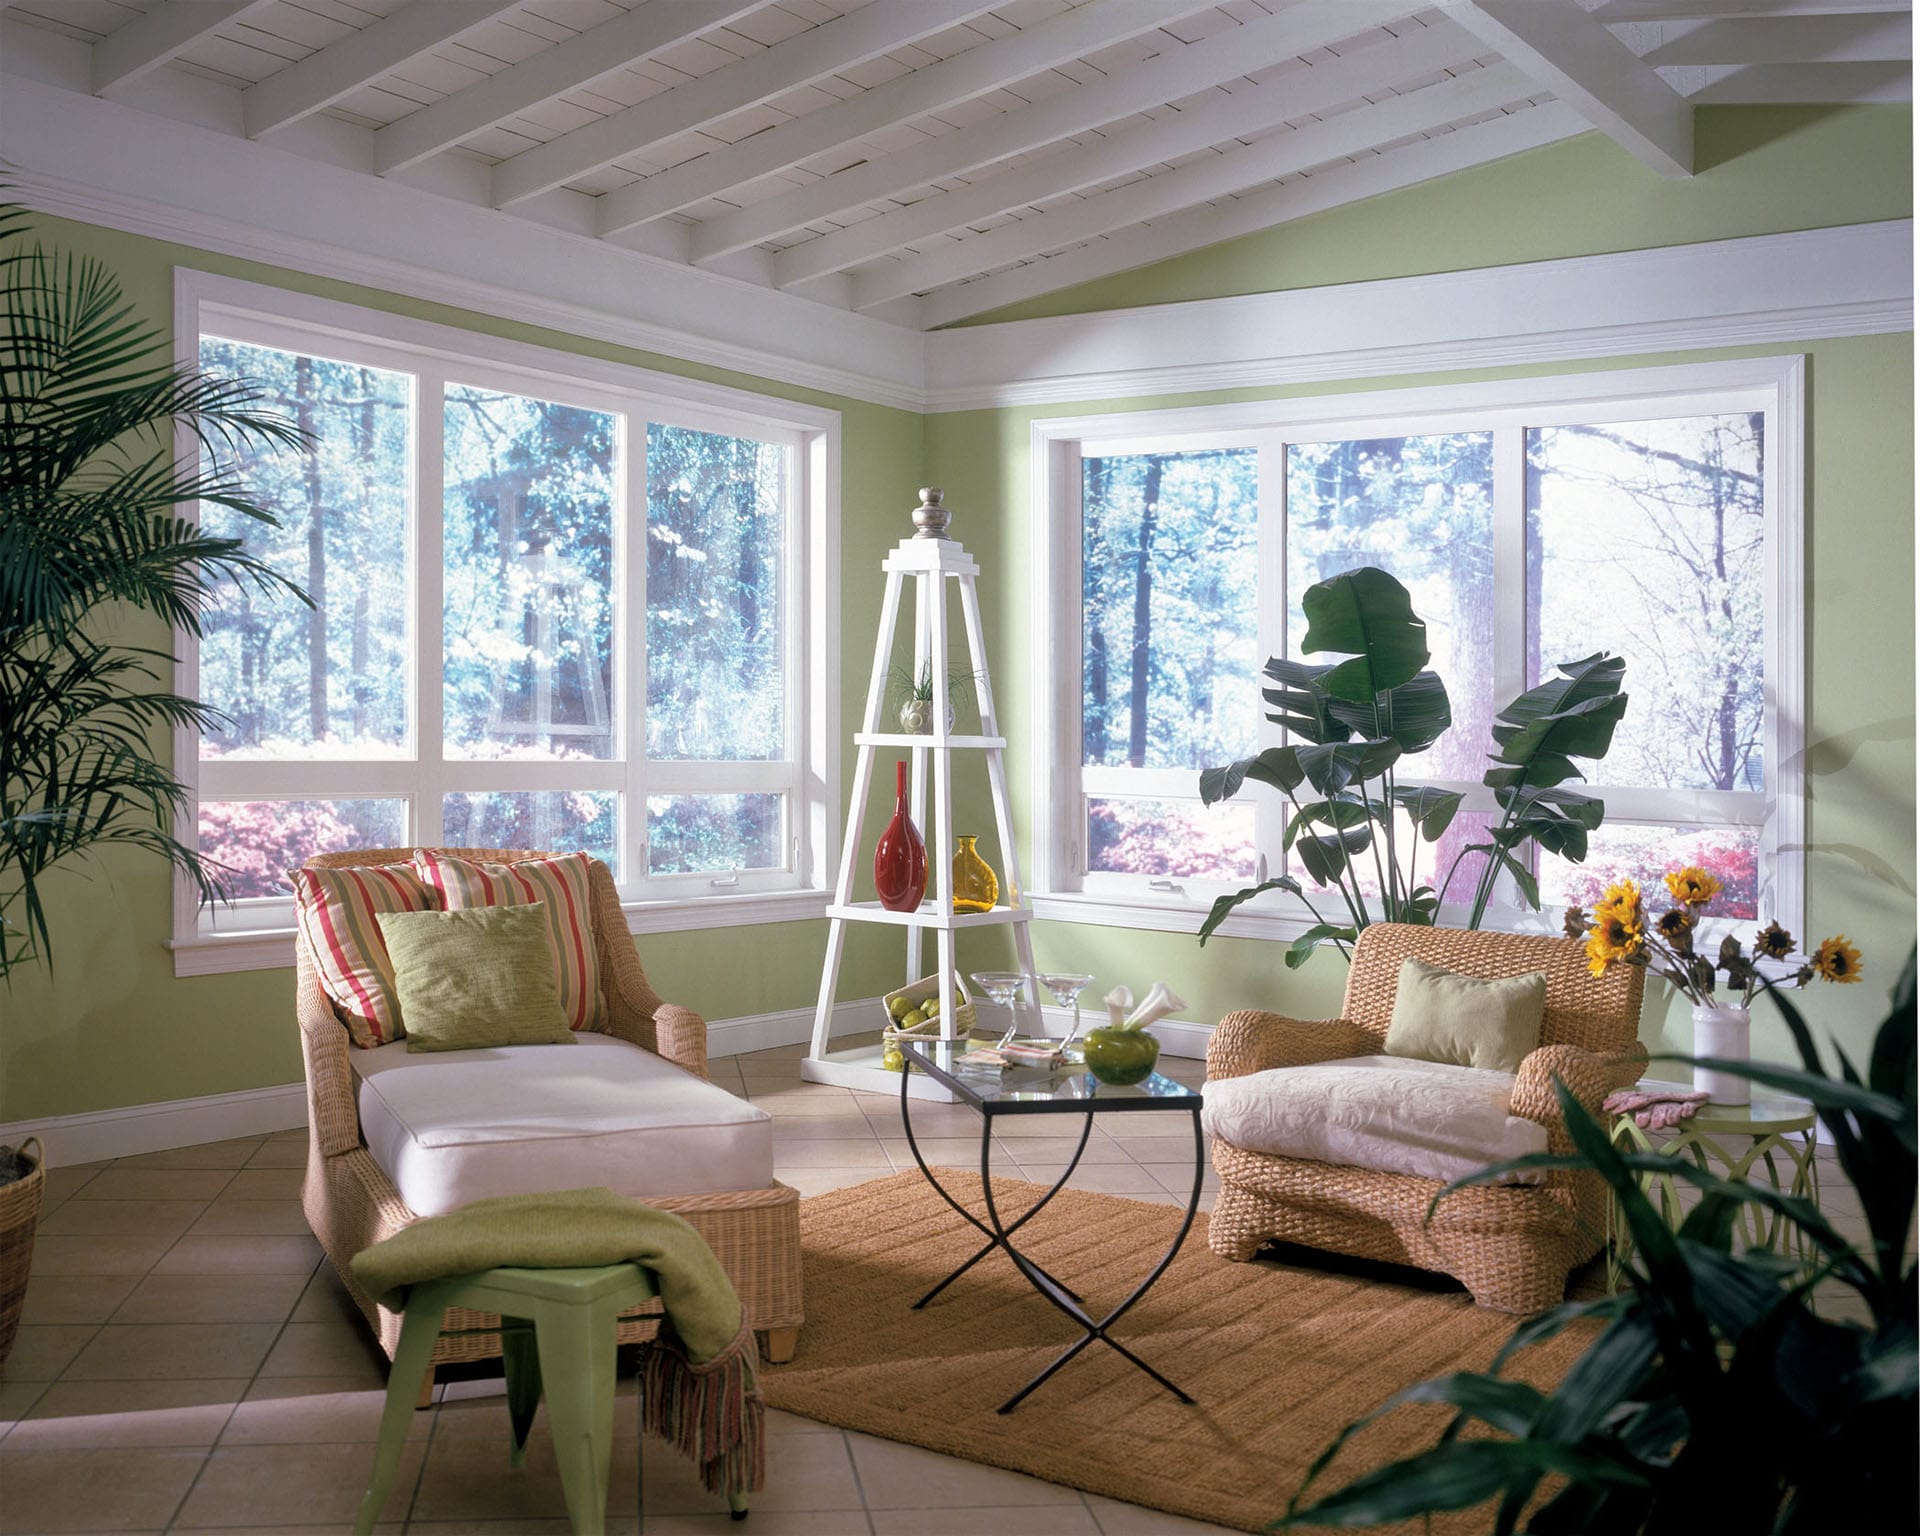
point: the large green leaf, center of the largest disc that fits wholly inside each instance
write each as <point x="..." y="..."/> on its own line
<point x="1339" y="813"/>
<point x="1300" y="951"/>
<point x="1300" y="702"/>
<point x="1330" y="769"/>
<point x="1278" y="766"/>
<point x="1416" y="714"/>
<point x="1573" y="715"/>
<point x="1225" y="904"/>
<point x="1557" y="819"/>
<point x="1430" y="809"/>
<point x="1325" y="859"/>
<point x="1366" y="615"/>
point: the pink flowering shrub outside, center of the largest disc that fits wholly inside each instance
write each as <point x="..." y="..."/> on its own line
<point x="1731" y="860"/>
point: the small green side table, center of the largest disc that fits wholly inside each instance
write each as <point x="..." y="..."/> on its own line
<point x="1773" y="1135"/>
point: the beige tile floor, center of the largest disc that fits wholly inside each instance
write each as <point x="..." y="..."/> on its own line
<point x="186" y="1362"/>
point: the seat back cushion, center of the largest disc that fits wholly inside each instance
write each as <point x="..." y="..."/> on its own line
<point x="473" y="979"/>
<point x="1381" y="1113"/>
<point x="336" y="910"/>
<point x="560" y="884"/>
<point x="1466" y="1021"/>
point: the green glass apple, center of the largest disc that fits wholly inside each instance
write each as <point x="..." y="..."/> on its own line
<point x="1121" y="1056"/>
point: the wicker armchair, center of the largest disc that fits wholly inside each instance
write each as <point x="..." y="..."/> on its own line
<point x="351" y="1203"/>
<point x="1510" y="1245"/>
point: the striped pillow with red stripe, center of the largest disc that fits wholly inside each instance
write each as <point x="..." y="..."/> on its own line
<point x="560" y="884"/>
<point x="335" y="909"/>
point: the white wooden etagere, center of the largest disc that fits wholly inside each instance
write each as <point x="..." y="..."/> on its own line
<point x="931" y="558"/>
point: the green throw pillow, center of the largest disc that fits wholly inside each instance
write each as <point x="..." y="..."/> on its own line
<point x="474" y="979"/>
<point x="1462" y="1020"/>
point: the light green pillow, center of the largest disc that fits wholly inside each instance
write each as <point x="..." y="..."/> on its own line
<point x="1461" y="1020"/>
<point x="474" y="979"/>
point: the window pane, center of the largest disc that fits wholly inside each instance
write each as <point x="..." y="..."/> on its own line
<point x="1178" y="838"/>
<point x="1646" y="539"/>
<point x="529" y="545"/>
<point x="1169" y="567"/>
<point x="330" y="681"/>
<point x="716" y="547"/>
<point x="559" y="821"/>
<point x="1622" y="850"/>
<point x="695" y="834"/>
<point x="1421" y="509"/>
<point x="260" y="840"/>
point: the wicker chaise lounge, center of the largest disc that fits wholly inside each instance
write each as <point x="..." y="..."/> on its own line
<point x="351" y="1202"/>
<point x="1511" y="1245"/>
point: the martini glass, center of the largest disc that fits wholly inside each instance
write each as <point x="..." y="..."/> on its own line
<point x="1066" y="987"/>
<point x="1003" y="987"/>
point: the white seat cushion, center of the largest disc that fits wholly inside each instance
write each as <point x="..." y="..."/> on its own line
<point x="1387" y="1113"/>
<point x="456" y="1126"/>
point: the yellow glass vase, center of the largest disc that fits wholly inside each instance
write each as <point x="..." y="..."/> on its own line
<point x="975" y="889"/>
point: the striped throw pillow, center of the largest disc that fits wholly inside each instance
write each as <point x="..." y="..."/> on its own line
<point x="335" y="909"/>
<point x="560" y="883"/>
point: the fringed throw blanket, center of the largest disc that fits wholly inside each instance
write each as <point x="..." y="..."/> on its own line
<point x="697" y="1388"/>
<point x="1654" y="1109"/>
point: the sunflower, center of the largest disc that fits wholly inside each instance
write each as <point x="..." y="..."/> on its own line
<point x="1692" y="885"/>
<point x="1622" y="897"/>
<point x="1574" y="924"/>
<point x="1616" y="936"/>
<point x="1773" y="941"/>
<point x="1836" y="960"/>
<point x="1675" y="925"/>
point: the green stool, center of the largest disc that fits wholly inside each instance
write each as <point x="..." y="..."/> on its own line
<point x="557" y="1332"/>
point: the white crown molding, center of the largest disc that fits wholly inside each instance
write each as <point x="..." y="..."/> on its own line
<point x="1851" y="280"/>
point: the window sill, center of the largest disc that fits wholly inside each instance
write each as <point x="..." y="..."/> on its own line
<point x="1173" y="915"/>
<point x="271" y="949"/>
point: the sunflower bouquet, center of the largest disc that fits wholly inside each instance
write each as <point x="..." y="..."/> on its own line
<point x="1620" y="931"/>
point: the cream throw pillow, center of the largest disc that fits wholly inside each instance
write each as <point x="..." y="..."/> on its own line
<point x="1463" y="1020"/>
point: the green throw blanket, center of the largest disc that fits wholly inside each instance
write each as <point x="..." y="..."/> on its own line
<point x="697" y="1388"/>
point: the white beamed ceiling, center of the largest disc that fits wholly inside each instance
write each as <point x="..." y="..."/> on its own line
<point x="924" y="161"/>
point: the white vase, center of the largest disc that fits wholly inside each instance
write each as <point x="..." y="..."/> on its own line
<point x="1719" y="1030"/>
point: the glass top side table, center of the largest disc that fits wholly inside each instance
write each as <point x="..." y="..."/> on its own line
<point x="1773" y="1136"/>
<point x="1036" y="1091"/>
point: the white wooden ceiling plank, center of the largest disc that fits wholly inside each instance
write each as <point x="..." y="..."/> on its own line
<point x="129" y="52"/>
<point x="581" y="59"/>
<point x="1774" y="84"/>
<point x="324" y="77"/>
<point x="1225" y="116"/>
<point x="977" y="71"/>
<point x="1233" y="171"/>
<point x="1179" y="70"/>
<point x="1582" y="63"/>
<point x="1833" y="39"/>
<point x="1614" y="12"/>
<point x="875" y="29"/>
<point x="1252" y="213"/>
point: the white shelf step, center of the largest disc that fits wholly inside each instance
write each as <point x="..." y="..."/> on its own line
<point x="900" y="739"/>
<point x="859" y="1067"/>
<point x="927" y="915"/>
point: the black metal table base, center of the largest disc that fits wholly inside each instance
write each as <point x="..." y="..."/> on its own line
<point x="999" y="1235"/>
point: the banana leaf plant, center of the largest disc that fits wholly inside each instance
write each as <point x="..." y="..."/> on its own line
<point x="1715" y="1396"/>
<point x="1352" y="727"/>
<point x="95" y="521"/>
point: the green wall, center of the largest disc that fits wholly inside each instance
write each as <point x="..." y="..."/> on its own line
<point x="111" y="1025"/>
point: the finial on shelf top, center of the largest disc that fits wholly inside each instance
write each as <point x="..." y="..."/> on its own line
<point x="931" y="516"/>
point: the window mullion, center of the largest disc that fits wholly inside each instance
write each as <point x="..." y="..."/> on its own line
<point x="630" y="630"/>
<point x="429" y="595"/>
<point x="1270" y="810"/>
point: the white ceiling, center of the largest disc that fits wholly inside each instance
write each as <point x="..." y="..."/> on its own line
<point x="927" y="160"/>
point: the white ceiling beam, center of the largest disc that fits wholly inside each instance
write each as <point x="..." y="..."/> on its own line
<point x="1478" y="144"/>
<point x="159" y="37"/>
<point x="972" y="73"/>
<point x="1776" y="84"/>
<point x="1614" y="12"/>
<point x="580" y="60"/>
<point x="340" y="69"/>
<point x="1179" y="72"/>
<point x="1585" y="65"/>
<point x="1351" y="133"/>
<point x="1367" y="71"/>
<point x="851" y="39"/>
<point x="1834" y="39"/>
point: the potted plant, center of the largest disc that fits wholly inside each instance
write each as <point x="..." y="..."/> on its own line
<point x="1352" y="725"/>
<point x="915" y="692"/>
<point x="96" y="517"/>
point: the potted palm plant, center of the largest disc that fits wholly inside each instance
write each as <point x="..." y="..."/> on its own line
<point x="96" y="518"/>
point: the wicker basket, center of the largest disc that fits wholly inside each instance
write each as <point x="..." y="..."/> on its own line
<point x="918" y="992"/>
<point x="19" y="1215"/>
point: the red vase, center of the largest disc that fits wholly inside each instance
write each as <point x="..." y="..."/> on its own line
<point x="900" y="859"/>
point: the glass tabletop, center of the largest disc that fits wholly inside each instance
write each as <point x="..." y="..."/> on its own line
<point x="1770" y="1113"/>
<point x="1037" y="1090"/>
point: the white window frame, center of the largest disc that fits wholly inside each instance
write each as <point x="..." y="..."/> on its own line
<point x="1773" y="386"/>
<point x="257" y="934"/>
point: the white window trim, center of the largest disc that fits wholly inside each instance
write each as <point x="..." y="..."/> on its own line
<point x="1774" y="386"/>
<point x="258" y="934"/>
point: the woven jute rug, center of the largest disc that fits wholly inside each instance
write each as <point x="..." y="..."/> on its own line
<point x="1278" y="1357"/>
